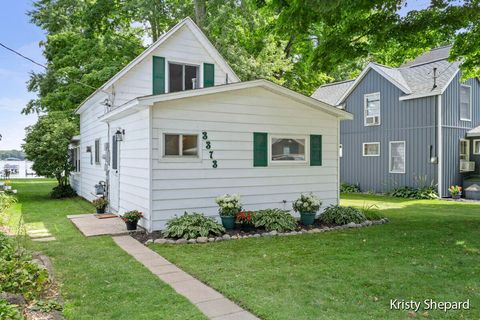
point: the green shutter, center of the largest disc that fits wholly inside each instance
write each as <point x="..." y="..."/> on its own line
<point x="315" y="150"/>
<point x="158" y="75"/>
<point x="260" y="149"/>
<point x="208" y="75"/>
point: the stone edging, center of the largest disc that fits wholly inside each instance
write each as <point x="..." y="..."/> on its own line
<point x="350" y="225"/>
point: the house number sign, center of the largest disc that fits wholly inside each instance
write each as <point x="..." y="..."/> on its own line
<point x="208" y="145"/>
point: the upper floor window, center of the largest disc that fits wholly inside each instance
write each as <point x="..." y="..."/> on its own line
<point x="465" y="103"/>
<point x="182" y="77"/>
<point x="464" y="150"/>
<point x="372" y="109"/>
<point x="371" y="149"/>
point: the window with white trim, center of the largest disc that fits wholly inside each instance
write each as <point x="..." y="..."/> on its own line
<point x="371" y="149"/>
<point x="464" y="150"/>
<point x="476" y="146"/>
<point x="283" y="149"/>
<point x="97" y="151"/>
<point x="180" y="145"/>
<point x="75" y="160"/>
<point x="372" y="109"/>
<point x="465" y="103"/>
<point x="397" y="156"/>
<point x="182" y="77"/>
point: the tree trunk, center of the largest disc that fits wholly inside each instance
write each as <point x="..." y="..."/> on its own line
<point x="200" y="12"/>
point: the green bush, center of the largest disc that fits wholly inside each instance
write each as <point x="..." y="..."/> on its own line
<point x="65" y="191"/>
<point x="6" y="200"/>
<point x="339" y="215"/>
<point x="371" y="212"/>
<point x="18" y="273"/>
<point x="275" y="219"/>
<point x="193" y="225"/>
<point x="426" y="192"/>
<point x="349" y="188"/>
<point x="9" y="311"/>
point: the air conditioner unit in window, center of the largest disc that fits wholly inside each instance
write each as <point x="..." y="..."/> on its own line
<point x="467" y="166"/>
<point x="371" y="120"/>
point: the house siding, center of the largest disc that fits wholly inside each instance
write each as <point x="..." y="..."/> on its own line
<point x="454" y="129"/>
<point x="412" y="121"/>
<point x="230" y="119"/>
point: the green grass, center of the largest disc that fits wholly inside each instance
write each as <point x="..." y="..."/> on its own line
<point x="98" y="279"/>
<point x="431" y="249"/>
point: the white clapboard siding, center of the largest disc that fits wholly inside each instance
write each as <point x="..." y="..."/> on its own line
<point x="134" y="164"/>
<point x="182" y="47"/>
<point x="230" y="120"/>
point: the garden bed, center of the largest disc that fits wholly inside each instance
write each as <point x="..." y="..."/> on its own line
<point x="235" y="234"/>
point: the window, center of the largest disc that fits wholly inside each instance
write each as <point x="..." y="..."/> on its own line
<point x="397" y="157"/>
<point x="371" y="149"/>
<point x="476" y="146"/>
<point x="97" y="151"/>
<point x="464" y="150"/>
<point x="75" y="159"/>
<point x="180" y="145"/>
<point x="465" y="103"/>
<point x="340" y="150"/>
<point x="114" y="153"/>
<point x="182" y="77"/>
<point x="372" y="109"/>
<point x="287" y="149"/>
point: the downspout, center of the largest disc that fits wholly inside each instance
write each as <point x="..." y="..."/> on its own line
<point x="107" y="168"/>
<point x="439" y="139"/>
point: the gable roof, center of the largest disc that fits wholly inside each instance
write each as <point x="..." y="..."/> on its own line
<point x="202" y="38"/>
<point x="147" y="101"/>
<point x="415" y="78"/>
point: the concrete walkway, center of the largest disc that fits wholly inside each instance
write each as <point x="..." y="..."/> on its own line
<point x="89" y="225"/>
<point x="212" y="303"/>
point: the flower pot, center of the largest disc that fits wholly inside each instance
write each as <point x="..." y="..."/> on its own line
<point x="101" y="210"/>
<point x="307" y="219"/>
<point x="456" y="196"/>
<point x="228" y="222"/>
<point x="131" y="225"/>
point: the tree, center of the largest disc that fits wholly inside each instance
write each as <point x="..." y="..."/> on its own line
<point x="46" y="144"/>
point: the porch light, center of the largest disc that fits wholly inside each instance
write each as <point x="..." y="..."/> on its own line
<point x="119" y="135"/>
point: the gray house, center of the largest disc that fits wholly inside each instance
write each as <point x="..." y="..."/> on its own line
<point x="413" y="125"/>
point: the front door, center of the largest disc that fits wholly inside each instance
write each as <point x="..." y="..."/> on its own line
<point x="114" y="176"/>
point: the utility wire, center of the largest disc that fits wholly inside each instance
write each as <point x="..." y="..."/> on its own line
<point x="43" y="66"/>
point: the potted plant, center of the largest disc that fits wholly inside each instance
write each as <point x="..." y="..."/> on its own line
<point x="307" y="205"/>
<point x="229" y="206"/>
<point x="455" y="191"/>
<point x="100" y="204"/>
<point x="131" y="219"/>
<point x="245" y="220"/>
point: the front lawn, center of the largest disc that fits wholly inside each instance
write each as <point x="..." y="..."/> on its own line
<point x="98" y="279"/>
<point x="431" y="249"/>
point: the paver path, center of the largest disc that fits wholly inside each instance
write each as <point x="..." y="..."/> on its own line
<point x="212" y="303"/>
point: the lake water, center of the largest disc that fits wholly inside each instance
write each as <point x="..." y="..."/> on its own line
<point x="18" y="169"/>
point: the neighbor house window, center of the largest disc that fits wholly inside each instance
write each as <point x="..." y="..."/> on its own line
<point x="287" y="149"/>
<point x="371" y="149"/>
<point x="180" y="145"/>
<point x="476" y="146"/>
<point x="464" y="150"/>
<point x="182" y="77"/>
<point x="397" y="156"/>
<point x="372" y="109"/>
<point x="97" y="151"/>
<point x="465" y="103"/>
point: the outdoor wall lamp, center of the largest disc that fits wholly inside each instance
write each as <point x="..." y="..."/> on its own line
<point x="119" y="134"/>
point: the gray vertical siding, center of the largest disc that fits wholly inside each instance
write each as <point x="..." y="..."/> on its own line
<point x="454" y="129"/>
<point x="412" y="121"/>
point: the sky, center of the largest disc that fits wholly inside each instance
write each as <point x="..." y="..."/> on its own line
<point x="17" y="32"/>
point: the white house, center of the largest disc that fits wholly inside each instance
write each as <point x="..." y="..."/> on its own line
<point x="176" y="128"/>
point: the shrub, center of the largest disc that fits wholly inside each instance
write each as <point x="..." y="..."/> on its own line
<point x="275" y="219"/>
<point x="6" y="200"/>
<point x="371" y="212"/>
<point x="9" y="311"/>
<point x="307" y="203"/>
<point x="192" y="225"/>
<point x="425" y="192"/>
<point x="100" y="203"/>
<point x="349" y="188"/>
<point x="65" y="191"/>
<point x="342" y="215"/>
<point x="132" y="216"/>
<point x="18" y="273"/>
<point x="229" y="205"/>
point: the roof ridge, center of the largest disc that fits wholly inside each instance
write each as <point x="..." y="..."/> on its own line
<point x="336" y="82"/>
<point x="424" y="63"/>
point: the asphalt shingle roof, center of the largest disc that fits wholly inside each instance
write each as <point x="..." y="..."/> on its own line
<point x="331" y="92"/>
